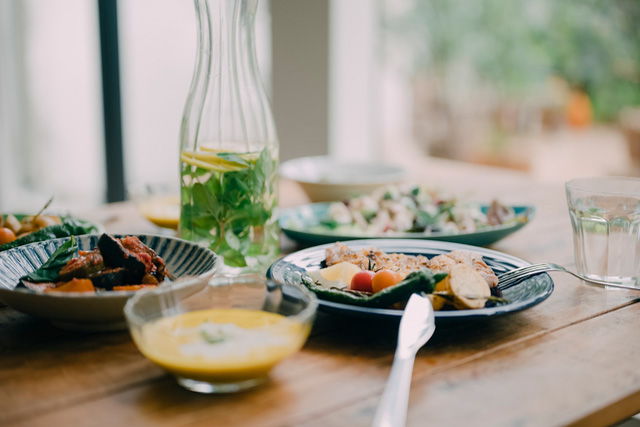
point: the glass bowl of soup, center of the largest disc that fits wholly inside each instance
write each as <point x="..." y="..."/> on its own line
<point x="223" y="335"/>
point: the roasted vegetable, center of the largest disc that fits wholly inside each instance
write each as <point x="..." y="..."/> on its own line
<point x="116" y="255"/>
<point x="6" y="235"/>
<point x="74" y="285"/>
<point x="155" y="269"/>
<point x="108" y="278"/>
<point x="132" y="287"/>
<point x="68" y="227"/>
<point x="30" y="224"/>
<point x="11" y="222"/>
<point x="437" y="301"/>
<point x="116" y="264"/>
<point x="468" y="288"/>
<point x="85" y="265"/>
<point x="418" y="281"/>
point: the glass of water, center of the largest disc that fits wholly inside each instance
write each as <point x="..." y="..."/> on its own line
<point x="605" y="216"/>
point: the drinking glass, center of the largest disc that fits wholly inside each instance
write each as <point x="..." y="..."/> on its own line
<point x="605" y="216"/>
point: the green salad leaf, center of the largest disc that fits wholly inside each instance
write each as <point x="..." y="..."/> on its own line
<point x="50" y="270"/>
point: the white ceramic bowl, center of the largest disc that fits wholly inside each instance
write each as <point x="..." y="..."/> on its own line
<point x="324" y="178"/>
<point x="92" y="312"/>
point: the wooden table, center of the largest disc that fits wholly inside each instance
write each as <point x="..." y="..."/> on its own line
<point x="571" y="360"/>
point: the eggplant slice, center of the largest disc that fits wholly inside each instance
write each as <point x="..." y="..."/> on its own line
<point x="108" y="278"/>
<point x="116" y="255"/>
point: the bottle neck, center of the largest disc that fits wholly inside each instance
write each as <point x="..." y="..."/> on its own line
<point x="227" y="103"/>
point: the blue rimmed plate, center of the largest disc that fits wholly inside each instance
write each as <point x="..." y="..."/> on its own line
<point x="303" y="224"/>
<point x="525" y="294"/>
<point x="91" y="312"/>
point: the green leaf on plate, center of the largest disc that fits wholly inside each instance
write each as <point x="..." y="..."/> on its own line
<point x="50" y="270"/>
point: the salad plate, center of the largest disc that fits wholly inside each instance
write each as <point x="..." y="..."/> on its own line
<point x="100" y="311"/>
<point x="304" y="224"/>
<point x="525" y="294"/>
<point x="64" y="226"/>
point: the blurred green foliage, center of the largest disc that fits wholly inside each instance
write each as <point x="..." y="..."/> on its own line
<point x="517" y="45"/>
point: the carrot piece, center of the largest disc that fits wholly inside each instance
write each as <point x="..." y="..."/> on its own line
<point x="132" y="287"/>
<point x="74" y="285"/>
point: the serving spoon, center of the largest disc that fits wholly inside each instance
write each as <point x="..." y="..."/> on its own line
<point x="416" y="327"/>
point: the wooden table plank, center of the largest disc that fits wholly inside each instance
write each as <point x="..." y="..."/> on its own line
<point x="555" y="378"/>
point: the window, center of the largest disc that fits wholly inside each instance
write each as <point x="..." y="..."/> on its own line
<point x="51" y="141"/>
<point x="51" y="126"/>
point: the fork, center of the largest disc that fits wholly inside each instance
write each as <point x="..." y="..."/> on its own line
<point x="511" y="278"/>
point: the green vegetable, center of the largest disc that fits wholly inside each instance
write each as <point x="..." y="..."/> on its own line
<point x="369" y="215"/>
<point x="418" y="281"/>
<point x="330" y="223"/>
<point x="213" y="338"/>
<point x="232" y="211"/>
<point x="422" y="221"/>
<point x="50" y="270"/>
<point x="68" y="227"/>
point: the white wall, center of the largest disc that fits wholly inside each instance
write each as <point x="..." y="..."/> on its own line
<point x="354" y="90"/>
<point x="51" y="115"/>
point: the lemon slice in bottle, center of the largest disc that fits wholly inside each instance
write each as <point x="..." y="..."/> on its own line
<point x="207" y="158"/>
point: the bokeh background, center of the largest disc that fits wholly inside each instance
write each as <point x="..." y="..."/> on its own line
<point x="547" y="87"/>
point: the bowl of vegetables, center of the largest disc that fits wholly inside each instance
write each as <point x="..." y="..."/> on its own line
<point x="83" y="282"/>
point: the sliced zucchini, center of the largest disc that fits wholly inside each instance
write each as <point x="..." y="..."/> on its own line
<point x="418" y="281"/>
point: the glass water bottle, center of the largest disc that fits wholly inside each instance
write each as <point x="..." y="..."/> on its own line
<point x="229" y="147"/>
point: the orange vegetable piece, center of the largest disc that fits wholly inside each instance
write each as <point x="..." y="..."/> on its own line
<point x="6" y="235"/>
<point x="74" y="285"/>
<point x="385" y="278"/>
<point x="132" y="287"/>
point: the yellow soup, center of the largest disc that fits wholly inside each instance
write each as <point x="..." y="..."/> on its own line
<point x="221" y="345"/>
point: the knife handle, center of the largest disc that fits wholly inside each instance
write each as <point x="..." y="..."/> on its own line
<point x="392" y="410"/>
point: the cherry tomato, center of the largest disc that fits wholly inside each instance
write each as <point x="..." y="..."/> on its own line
<point x="6" y="235"/>
<point x="361" y="281"/>
<point x="383" y="279"/>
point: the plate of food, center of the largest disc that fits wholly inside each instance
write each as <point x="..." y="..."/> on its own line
<point x="83" y="282"/>
<point x="375" y="278"/>
<point x="21" y="229"/>
<point x="406" y="211"/>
